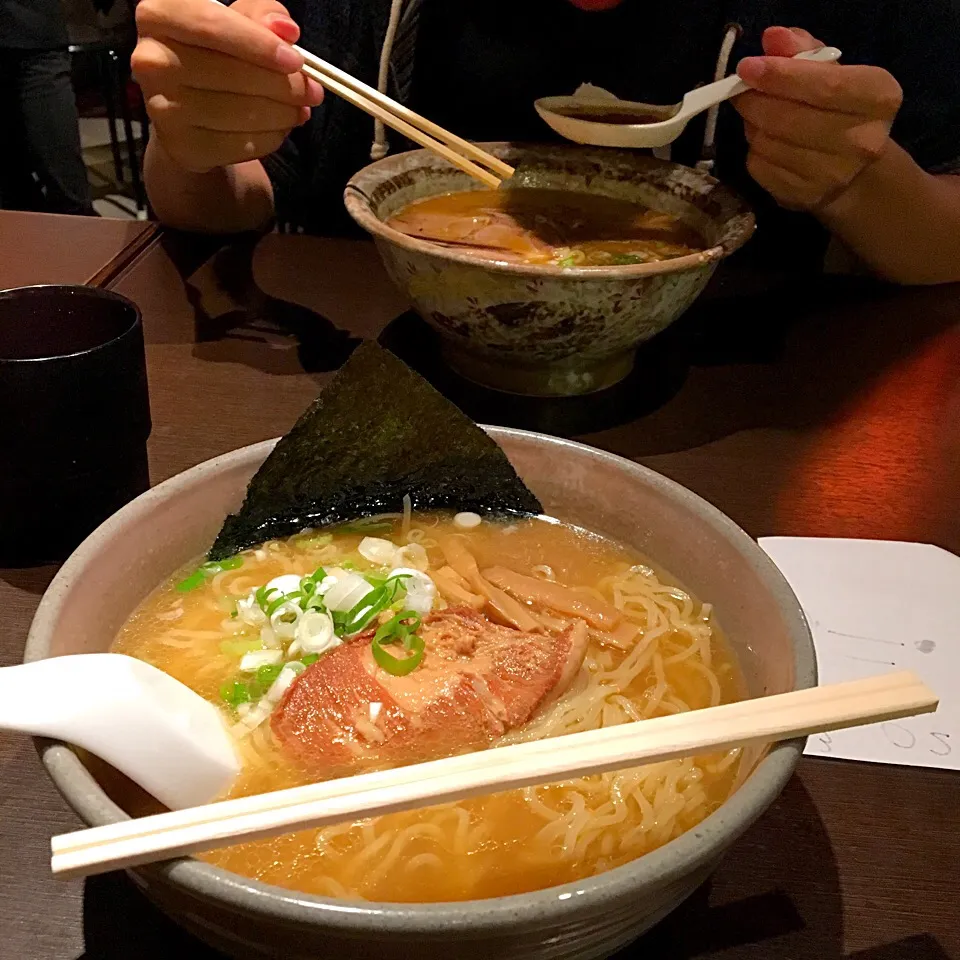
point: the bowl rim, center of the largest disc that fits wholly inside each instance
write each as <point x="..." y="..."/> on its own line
<point x="356" y="198"/>
<point x="704" y="844"/>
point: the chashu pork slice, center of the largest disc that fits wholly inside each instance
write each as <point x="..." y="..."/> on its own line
<point x="477" y="680"/>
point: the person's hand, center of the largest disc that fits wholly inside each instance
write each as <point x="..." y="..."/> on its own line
<point x="812" y="127"/>
<point x="221" y="84"/>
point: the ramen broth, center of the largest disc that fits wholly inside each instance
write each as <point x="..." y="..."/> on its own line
<point x="621" y="117"/>
<point x="668" y="656"/>
<point x="548" y="227"/>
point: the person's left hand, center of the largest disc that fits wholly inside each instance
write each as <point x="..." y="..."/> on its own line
<point x="812" y="127"/>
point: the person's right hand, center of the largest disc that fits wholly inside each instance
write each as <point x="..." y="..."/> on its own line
<point x="221" y="84"/>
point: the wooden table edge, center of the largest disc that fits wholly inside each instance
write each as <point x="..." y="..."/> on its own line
<point x="114" y="270"/>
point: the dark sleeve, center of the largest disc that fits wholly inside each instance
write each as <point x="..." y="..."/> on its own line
<point x="924" y="56"/>
<point x="311" y="168"/>
<point x="285" y="168"/>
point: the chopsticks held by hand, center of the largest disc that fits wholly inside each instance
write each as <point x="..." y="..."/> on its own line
<point x="410" y="124"/>
<point x="761" y="720"/>
<point x="463" y="154"/>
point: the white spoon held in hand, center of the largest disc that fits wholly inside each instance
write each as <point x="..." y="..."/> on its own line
<point x="152" y="728"/>
<point x="566" y="115"/>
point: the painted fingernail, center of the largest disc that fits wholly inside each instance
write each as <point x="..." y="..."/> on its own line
<point x="283" y="27"/>
<point x="288" y="59"/>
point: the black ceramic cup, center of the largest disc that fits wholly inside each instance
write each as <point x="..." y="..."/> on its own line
<point x="74" y="417"/>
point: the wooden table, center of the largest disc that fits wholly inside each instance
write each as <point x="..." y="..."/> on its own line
<point x="810" y="409"/>
<point x="51" y="248"/>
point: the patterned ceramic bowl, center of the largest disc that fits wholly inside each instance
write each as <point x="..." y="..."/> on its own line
<point x="137" y="548"/>
<point x="547" y="330"/>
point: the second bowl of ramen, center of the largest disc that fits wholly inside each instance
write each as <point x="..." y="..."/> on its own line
<point x="547" y="286"/>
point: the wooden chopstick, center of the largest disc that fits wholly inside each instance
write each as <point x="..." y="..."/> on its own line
<point x="461" y="153"/>
<point x="761" y="720"/>
<point x="329" y="75"/>
<point x="332" y="84"/>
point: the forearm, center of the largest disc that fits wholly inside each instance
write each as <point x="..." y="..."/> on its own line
<point x="224" y="200"/>
<point x="903" y="222"/>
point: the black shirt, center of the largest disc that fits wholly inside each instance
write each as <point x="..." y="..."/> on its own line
<point x="480" y="64"/>
<point x="32" y="25"/>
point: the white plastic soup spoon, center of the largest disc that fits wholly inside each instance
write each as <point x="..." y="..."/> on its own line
<point x="561" y="113"/>
<point x="158" y="732"/>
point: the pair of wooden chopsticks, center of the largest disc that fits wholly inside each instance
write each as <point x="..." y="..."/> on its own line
<point x="463" y="154"/>
<point x="762" y="720"/>
<point x="488" y="169"/>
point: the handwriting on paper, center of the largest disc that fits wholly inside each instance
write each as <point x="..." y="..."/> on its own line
<point x="875" y="606"/>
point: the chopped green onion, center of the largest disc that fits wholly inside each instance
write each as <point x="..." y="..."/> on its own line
<point x="235" y="693"/>
<point x="268" y="673"/>
<point x="237" y="648"/>
<point x="348" y="565"/>
<point x="567" y="262"/>
<point x="400" y="666"/>
<point x="195" y="580"/>
<point x="313" y="602"/>
<point x="308" y="597"/>
<point x="262" y="596"/>
<point x="621" y="259"/>
<point x="383" y="594"/>
<point x="263" y="680"/>
<point x="208" y="570"/>
<point x="400" y="629"/>
<point x="274" y="605"/>
<point x="310" y="659"/>
<point x="315" y="577"/>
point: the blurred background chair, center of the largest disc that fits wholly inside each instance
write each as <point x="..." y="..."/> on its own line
<point x="113" y="119"/>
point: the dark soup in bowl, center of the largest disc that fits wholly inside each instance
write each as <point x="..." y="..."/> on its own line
<point x="564" y="228"/>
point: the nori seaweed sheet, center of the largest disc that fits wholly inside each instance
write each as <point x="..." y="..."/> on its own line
<point x="378" y="431"/>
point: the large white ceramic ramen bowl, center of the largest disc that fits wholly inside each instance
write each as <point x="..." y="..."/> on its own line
<point x="137" y="548"/>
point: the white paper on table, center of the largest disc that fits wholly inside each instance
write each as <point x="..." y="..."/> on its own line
<point x="876" y="606"/>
